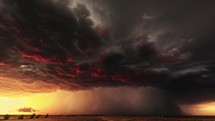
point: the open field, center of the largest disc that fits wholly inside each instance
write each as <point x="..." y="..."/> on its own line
<point x="111" y="118"/>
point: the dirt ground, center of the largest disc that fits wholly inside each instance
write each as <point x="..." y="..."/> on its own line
<point x="112" y="118"/>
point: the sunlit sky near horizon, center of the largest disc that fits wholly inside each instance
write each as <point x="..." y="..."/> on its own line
<point x="52" y="104"/>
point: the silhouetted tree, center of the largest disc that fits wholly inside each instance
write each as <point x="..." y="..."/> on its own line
<point x="21" y="117"/>
<point x="6" y="117"/>
<point x="47" y="115"/>
<point x="32" y="116"/>
<point x="38" y="116"/>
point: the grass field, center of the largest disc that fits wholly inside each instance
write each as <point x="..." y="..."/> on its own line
<point x="111" y="118"/>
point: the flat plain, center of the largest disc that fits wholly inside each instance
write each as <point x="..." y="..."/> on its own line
<point x="111" y="118"/>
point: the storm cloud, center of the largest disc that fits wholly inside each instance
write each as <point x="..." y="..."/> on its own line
<point x="166" y="45"/>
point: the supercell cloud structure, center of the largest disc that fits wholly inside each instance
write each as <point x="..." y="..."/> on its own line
<point x="151" y="43"/>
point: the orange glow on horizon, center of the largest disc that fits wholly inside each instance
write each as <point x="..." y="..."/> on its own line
<point x="207" y="109"/>
<point x="58" y="102"/>
<point x="40" y="102"/>
<point x="8" y="105"/>
<point x="75" y="102"/>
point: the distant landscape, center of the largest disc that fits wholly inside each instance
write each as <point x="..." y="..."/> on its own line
<point x="112" y="118"/>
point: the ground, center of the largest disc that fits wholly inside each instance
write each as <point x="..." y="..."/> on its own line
<point x="113" y="118"/>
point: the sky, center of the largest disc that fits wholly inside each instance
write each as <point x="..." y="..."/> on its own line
<point x="107" y="57"/>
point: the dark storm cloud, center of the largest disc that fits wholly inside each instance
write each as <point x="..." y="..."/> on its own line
<point x="53" y="43"/>
<point x="163" y="44"/>
<point x="187" y="17"/>
<point x="180" y="30"/>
